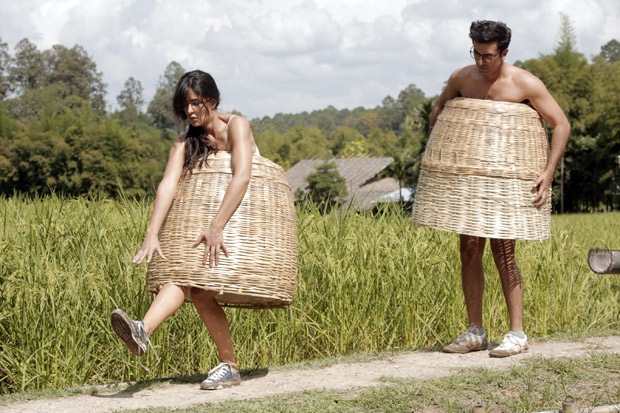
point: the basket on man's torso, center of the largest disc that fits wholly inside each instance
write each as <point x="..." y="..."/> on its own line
<point x="479" y="168"/>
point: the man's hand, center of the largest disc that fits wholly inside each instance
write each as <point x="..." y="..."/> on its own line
<point x="542" y="185"/>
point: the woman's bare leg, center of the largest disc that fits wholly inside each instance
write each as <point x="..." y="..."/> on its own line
<point x="167" y="302"/>
<point x="215" y="319"/>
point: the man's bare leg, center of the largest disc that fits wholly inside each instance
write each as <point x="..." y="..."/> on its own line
<point x="515" y="342"/>
<point x="472" y="277"/>
<point x="512" y="284"/>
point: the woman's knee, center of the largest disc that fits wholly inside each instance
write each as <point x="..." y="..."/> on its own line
<point x="173" y="289"/>
<point x="198" y="294"/>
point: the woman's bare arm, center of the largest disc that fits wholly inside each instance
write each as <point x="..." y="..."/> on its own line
<point x="163" y="200"/>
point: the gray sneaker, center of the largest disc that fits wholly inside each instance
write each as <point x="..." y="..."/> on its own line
<point x="510" y="346"/>
<point x="466" y="342"/>
<point x="131" y="332"/>
<point x="221" y="377"/>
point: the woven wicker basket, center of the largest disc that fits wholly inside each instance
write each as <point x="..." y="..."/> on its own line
<point x="479" y="168"/>
<point x="261" y="237"/>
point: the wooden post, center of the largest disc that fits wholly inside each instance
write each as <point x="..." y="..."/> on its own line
<point x="478" y="408"/>
<point x="562" y="186"/>
<point x="569" y="406"/>
<point x="603" y="261"/>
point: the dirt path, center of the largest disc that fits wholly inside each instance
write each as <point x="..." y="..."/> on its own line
<point x="422" y="365"/>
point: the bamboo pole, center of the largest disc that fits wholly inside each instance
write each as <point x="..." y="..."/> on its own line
<point x="603" y="261"/>
<point x="478" y="408"/>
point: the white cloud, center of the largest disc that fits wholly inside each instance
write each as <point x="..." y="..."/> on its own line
<point x="136" y="36"/>
<point x="294" y="55"/>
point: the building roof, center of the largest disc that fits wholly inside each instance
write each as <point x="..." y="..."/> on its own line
<point x="360" y="175"/>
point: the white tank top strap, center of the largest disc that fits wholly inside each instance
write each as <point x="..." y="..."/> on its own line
<point x="228" y="148"/>
<point x="228" y="124"/>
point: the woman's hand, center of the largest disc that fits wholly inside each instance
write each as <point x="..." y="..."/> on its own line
<point x="149" y="246"/>
<point x="214" y="242"/>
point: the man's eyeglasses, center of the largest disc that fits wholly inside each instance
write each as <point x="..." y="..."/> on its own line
<point x="487" y="57"/>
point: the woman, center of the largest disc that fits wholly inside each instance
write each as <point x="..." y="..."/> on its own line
<point x="195" y="100"/>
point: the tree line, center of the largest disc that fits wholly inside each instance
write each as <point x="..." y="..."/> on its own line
<point x="56" y="134"/>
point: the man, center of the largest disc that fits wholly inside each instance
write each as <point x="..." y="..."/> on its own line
<point x="494" y="79"/>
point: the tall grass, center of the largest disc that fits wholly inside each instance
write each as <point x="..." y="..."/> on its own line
<point x="366" y="283"/>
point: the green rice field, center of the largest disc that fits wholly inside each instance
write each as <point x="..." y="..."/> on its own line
<point x="366" y="283"/>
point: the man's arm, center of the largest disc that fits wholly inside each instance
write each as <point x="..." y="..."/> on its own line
<point x="450" y="92"/>
<point x="545" y="104"/>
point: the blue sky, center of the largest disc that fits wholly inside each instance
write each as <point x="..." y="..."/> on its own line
<point x="289" y="56"/>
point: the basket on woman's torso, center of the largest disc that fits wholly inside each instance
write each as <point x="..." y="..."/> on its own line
<point x="261" y="237"/>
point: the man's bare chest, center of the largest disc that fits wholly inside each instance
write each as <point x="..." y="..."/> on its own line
<point x="499" y="91"/>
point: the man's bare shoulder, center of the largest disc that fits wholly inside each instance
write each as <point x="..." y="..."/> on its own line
<point x="524" y="79"/>
<point x="463" y="73"/>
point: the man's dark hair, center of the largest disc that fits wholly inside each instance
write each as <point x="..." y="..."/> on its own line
<point x="486" y="31"/>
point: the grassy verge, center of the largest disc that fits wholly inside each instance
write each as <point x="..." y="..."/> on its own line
<point x="366" y="284"/>
<point x="537" y="385"/>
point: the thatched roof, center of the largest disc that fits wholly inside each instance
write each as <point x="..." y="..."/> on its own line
<point x="360" y="175"/>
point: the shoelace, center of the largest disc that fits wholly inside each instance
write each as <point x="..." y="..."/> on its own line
<point x="142" y="333"/>
<point x="218" y="373"/>
<point x="512" y="339"/>
<point x="468" y="336"/>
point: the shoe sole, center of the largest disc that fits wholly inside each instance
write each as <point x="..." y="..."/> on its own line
<point x="220" y="386"/>
<point x="500" y="354"/>
<point x="124" y="329"/>
<point x="462" y="350"/>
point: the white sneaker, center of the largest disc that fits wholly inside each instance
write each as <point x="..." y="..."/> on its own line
<point x="221" y="377"/>
<point x="509" y="346"/>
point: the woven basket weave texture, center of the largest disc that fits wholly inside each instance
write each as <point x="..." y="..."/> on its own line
<point x="479" y="168"/>
<point x="261" y="237"/>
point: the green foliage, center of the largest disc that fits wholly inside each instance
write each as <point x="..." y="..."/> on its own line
<point x="76" y="74"/>
<point x="71" y="71"/>
<point x="397" y="129"/>
<point x="130" y="99"/>
<point x="611" y="51"/>
<point x="132" y="95"/>
<point x="39" y="89"/>
<point x="27" y="70"/>
<point x="566" y="47"/>
<point x="393" y="112"/>
<point x="55" y="135"/>
<point x="366" y="283"/>
<point x="160" y="108"/>
<point x="4" y="65"/>
<point x="326" y="187"/>
<point x="307" y="143"/>
<point x="588" y="94"/>
<point x="72" y="149"/>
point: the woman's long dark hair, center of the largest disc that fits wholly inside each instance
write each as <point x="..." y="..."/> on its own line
<point x="197" y="146"/>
